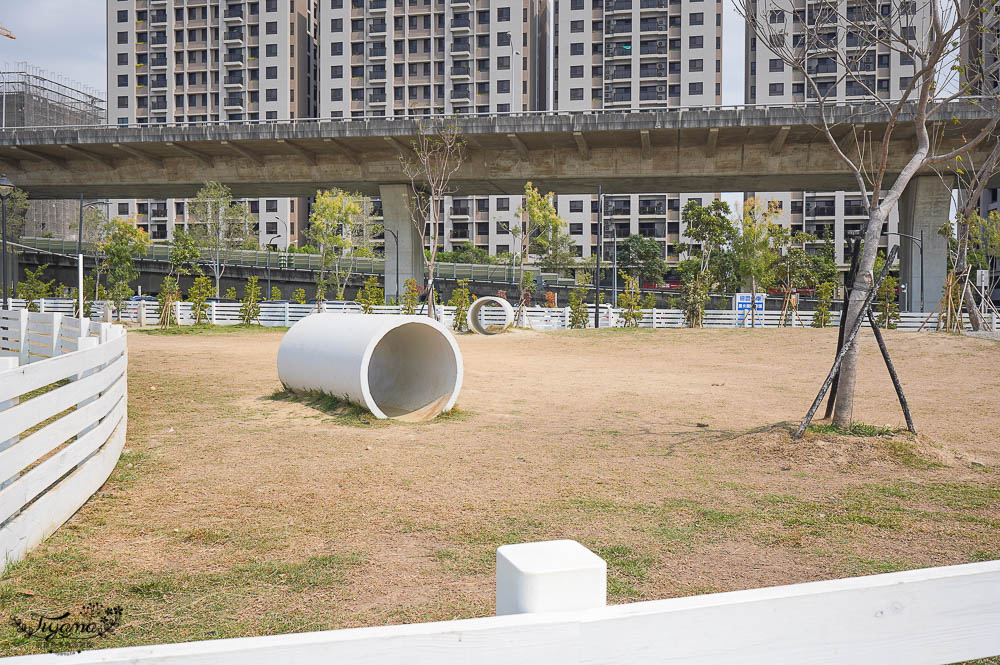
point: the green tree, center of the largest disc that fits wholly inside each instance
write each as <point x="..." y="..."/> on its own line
<point x="184" y="254"/>
<point x="466" y="253"/>
<point x="342" y="226"/>
<point x="33" y="288"/>
<point x="461" y="299"/>
<point x="629" y="301"/>
<point x="710" y="263"/>
<point x="756" y="248"/>
<point x="299" y="296"/>
<point x="275" y="293"/>
<point x="231" y="293"/>
<point x="542" y="232"/>
<point x="371" y="295"/>
<point x="122" y="241"/>
<point x="17" y="211"/>
<point x="641" y="257"/>
<point x="649" y="301"/>
<point x="201" y="291"/>
<point x="250" y="309"/>
<point x="410" y="298"/>
<point x="218" y="224"/>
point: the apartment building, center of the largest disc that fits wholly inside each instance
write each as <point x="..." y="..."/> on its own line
<point x="627" y="54"/>
<point x="831" y="215"/>
<point x="216" y="61"/>
<point x="421" y="57"/>
<point x="443" y="56"/>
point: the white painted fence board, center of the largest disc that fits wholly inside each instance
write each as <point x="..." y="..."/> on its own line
<point x="932" y="616"/>
<point x="15" y="382"/>
<point x="27" y="414"/>
<point x="30" y="485"/>
<point x="49" y="511"/>
<point x="36" y="445"/>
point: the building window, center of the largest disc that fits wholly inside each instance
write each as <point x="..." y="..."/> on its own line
<point x="576" y="48"/>
<point x="271" y="95"/>
<point x="697" y="18"/>
<point x="271" y="28"/>
<point x="123" y="102"/>
<point x="123" y="38"/>
<point x="271" y="50"/>
<point x="696" y="41"/>
<point x="776" y="89"/>
<point x="576" y="94"/>
<point x="503" y="204"/>
<point x="576" y="26"/>
<point x="776" y="65"/>
<point x="271" y="73"/>
<point x="336" y="25"/>
<point x="123" y="16"/>
<point x="336" y="48"/>
<point x="271" y="205"/>
<point x="695" y="88"/>
<point x="336" y="95"/>
<point x="503" y="13"/>
<point x="576" y="206"/>
<point x="696" y="65"/>
<point x="576" y="72"/>
<point x="122" y="208"/>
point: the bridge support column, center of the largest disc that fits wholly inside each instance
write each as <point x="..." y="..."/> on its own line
<point x="396" y="216"/>
<point x="924" y="207"/>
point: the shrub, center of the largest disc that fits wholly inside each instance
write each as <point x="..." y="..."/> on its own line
<point x="370" y="295"/>
<point x="199" y="294"/>
<point x="649" y="301"/>
<point x="550" y="299"/>
<point x="169" y="294"/>
<point x="410" y="297"/>
<point x="578" y="308"/>
<point x="299" y="296"/>
<point x="461" y="299"/>
<point x="250" y="310"/>
<point x="275" y="293"/>
<point x="231" y="293"/>
<point x="824" y="296"/>
<point x="629" y="301"/>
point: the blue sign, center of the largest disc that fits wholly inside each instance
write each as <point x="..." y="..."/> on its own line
<point x="744" y="317"/>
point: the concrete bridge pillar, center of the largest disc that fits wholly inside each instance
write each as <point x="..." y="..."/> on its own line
<point x="396" y="217"/>
<point x="924" y="207"/>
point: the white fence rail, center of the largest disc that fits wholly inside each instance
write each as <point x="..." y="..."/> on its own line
<point x="62" y="420"/>
<point x="932" y="616"/>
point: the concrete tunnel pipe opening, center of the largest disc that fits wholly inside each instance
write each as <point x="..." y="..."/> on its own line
<point x="402" y="367"/>
<point x="473" y="316"/>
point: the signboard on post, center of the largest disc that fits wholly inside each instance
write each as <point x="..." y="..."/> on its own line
<point x="982" y="280"/>
<point x="745" y="317"/>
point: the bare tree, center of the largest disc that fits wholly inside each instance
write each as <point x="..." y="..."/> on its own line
<point x="218" y="225"/>
<point x="934" y="34"/>
<point x="437" y="154"/>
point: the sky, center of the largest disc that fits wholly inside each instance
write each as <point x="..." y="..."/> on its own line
<point x="65" y="37"/>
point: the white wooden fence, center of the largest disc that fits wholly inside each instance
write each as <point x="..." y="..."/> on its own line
<point x="538" y="318"/>
<point x="62" y="420"/>
<point x="932" y="616"/>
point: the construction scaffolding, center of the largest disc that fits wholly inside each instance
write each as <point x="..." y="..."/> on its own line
<point x="32" y="97"/>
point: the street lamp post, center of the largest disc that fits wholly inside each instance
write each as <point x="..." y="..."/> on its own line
<point x="6" y="187"/>
<point x="268" y="255"/>
<point x="919" y="242"/>
<point x="395" y="238"/>
<point x="515" y="79"/>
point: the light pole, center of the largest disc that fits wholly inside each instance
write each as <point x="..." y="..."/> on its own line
<point x="395" y="238"/>
<point x="6" y="187"/>
<point x="277" y="220"/>
<point x="514" y="79"/>
<point x="600" y="247"/>
<point x="919" y="242"/>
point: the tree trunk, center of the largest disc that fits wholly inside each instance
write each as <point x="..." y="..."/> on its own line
<point x="844" y="411"/>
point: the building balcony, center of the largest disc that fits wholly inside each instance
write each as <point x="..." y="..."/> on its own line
<point x="232" y="60"/>
<point x="233" y="16"/>
<point x="233" y="103"/>
<point x="380" y="100"/>
<point x="158" y="18"/>
<point x="233" y="82"/>
<point x="461" y="71"/>
<point x="615" y="6"/>
<point x="376" y="28"/>
<point x="378" y="53"/>
<point x="461" y="25"/>
<point x="158" y="62"/>
<point x="377" y="5"/>
<point x="233" y="37"/>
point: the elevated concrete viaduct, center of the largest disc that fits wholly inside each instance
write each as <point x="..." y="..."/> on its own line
<point x="705" y="149"/>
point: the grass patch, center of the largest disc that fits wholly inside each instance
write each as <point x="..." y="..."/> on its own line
<point x="346" y="412"/>
<point x="856" y="429"/>
<point x="904" y="453"/>
<point x="209" y="329"/>
<point x="626" y="569"/>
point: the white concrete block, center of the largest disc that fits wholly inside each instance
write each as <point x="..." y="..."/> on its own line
<point x="550" y="576"/>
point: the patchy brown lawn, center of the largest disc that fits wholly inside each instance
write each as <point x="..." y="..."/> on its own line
<point x="235" y="514"/>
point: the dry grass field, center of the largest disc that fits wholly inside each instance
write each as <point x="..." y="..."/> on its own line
<point x="667" y="452"/>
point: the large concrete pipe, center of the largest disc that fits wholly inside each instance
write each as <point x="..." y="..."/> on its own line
<point x="474" y="311"/>
<point x="402" y="367"/>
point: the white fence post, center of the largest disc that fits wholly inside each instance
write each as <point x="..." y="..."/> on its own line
<point x="8" y="362"/>
<point x="288" y="315"/>
<point x="56" y="323"/>
<point x="551" y="576"/>
<point x="23" y="355"/>
<point x="211" y="312"/>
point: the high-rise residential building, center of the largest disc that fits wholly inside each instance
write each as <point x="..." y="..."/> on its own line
<point x="886" y="70"/>
<point x="418" y="57"/>
<point x="444" y="56"/>
<point x="33" y="97"/>
<point x="212" y="60"/>
<point x="627" y="54"/>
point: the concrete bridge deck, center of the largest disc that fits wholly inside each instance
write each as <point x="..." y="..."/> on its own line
<point x="765" y="148"/>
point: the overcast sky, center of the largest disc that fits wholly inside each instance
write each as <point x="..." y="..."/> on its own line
<point x="67" y="38"/>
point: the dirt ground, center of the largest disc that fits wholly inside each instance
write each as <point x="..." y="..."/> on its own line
<point x="667" y="452"/>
